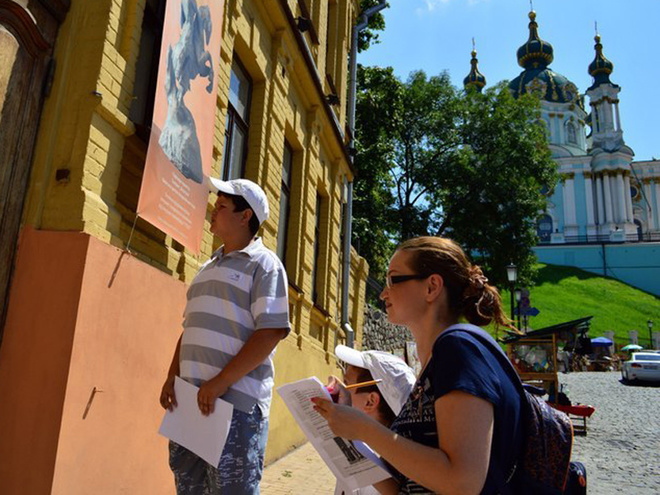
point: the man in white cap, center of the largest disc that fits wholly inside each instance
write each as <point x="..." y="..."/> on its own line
<point x="382" y="401"/>
<point x="236" y="313"/>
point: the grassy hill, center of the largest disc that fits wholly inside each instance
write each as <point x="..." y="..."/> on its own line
<point x="565" y="293"/>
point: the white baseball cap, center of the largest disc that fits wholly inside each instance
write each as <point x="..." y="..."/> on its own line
<point x="248" y="190"/>
<point x="397" y="377"/>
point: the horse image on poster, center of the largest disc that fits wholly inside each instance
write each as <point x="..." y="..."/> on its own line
<point x="186" y="60"/>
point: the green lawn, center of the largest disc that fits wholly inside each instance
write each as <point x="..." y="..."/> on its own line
<point x="565" y="293"/>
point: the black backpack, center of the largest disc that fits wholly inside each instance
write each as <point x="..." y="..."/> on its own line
<point x="543" y="465"/>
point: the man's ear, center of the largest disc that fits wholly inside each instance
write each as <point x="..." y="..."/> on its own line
<point x="246" y="215"/>
<point x="435" y="286"/>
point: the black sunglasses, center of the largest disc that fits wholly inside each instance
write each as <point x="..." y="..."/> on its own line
<point x="397" y="279"/>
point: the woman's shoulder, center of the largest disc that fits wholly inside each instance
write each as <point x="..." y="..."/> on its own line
<point x="463" y="361"/>
<point x="457" y="339"/>
<point x="461" y="351"/>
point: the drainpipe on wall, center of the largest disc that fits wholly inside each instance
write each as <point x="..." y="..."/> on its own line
<point x="348" y="217"/>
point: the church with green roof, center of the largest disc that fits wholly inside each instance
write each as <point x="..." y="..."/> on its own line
<point x="603" y="215"/>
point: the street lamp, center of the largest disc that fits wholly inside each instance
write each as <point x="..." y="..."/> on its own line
<point x="518" y="292"/>
<point x="650" y="325"/>
<point x="512" y="276"/>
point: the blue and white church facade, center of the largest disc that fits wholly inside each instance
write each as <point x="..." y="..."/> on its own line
<point x="603" y="215"/>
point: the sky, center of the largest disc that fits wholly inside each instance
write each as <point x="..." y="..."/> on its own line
<point x="436" y="35"/>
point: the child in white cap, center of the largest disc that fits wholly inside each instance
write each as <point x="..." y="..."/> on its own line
<point x="383" y="400"/>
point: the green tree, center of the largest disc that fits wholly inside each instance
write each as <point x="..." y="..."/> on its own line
<point x="491" y="206"/>
<point x="369" y="36"/>
<point x="377" y="108"/>
<point x="433" y="160"/>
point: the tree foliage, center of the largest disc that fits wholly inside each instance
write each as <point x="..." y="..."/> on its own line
<point x="377" y="108"/>
<point x="434" y="160"/>
<point x="369" y="36"/>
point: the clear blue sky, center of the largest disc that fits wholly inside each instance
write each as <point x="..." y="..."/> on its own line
<point x="436" y="35"/>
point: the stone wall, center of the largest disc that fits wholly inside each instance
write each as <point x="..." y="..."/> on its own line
<point x="381" y="335"/>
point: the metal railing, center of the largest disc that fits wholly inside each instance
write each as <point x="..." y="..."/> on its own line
<point x="605" y="239"/>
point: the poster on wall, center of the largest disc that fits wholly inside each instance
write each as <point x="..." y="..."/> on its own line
<point x="174" y="192"/>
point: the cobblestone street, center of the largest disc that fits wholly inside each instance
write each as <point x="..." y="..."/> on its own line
<point x="620" y="450"/>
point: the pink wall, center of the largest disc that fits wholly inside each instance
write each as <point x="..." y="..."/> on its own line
<point x="72" y="327"/>
<point x="34" y="357"/>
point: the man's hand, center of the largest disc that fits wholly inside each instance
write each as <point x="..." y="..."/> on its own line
<point x="208" y="392"/>
<point x="167" y="396"/>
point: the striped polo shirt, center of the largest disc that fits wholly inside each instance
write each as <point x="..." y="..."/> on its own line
<point x="230" y="298"/>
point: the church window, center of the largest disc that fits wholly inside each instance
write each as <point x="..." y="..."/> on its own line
<point x="596" y="118"/>
<point x="544" y="228"/>
<point x="635" y="192"/>
<point x="570" y="131"/>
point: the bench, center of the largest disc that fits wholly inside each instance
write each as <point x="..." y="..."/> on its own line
<point x="578" y="415"/>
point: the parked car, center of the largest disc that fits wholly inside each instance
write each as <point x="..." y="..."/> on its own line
<point x="643" y="365"/>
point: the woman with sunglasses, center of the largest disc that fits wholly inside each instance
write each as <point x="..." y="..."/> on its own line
<point x="459" y="431"/>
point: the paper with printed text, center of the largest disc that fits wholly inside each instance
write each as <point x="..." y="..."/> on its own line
<point x="353" y="463"/>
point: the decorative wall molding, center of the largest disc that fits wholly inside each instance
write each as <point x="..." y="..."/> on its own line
<point x="23" y="26"/>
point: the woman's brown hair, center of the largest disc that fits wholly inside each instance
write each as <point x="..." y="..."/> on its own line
<point x="468" y="290"/>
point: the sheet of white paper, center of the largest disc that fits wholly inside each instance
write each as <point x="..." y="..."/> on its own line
<point x="352" y="468"/>
<point x="187" y="426"/>
<point x="367" y="452"/>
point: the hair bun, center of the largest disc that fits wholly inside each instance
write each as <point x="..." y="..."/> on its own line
<point x="476" y="282"/>
<point x="479" y="298"/>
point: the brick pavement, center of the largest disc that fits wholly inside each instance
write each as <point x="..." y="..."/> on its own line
<point x="302" y="472"/>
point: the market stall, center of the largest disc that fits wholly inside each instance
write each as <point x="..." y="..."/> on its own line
<point x="534" y="355"/>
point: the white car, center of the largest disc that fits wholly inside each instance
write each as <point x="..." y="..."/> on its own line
<point x="644" y="365"/>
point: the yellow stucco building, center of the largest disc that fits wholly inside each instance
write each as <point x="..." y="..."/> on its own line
<point x="89" y="329"/>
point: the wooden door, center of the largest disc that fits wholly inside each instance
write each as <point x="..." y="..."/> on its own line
<point x="28" y="29"/>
